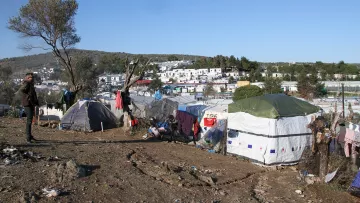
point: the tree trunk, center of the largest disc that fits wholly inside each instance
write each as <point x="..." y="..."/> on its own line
<point x="324" y="159"/>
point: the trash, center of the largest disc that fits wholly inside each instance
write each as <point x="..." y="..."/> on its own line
<point x="8" y="150"/>
<point x="299" y="192"/>
<point x="53" y="158"/>
<point x="211" y="151"/>
<point x="193" y="168"/>
<point x="330" y="176"/>
<point x="145" y="136"/>
<point x="51" y="192"/>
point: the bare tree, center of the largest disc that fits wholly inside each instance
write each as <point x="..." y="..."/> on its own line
<point x="322" y="136"/>
<point x="53" y="22"/>
<point x="131" y="67"/>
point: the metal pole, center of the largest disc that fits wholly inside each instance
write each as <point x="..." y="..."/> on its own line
<point x="343" y="100"/>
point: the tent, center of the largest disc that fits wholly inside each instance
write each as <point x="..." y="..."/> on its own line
<point x="270" y="129"/>
<point x="168" y="106"/>
<point x="161" y="109"/>
<point x="88" y="115"/>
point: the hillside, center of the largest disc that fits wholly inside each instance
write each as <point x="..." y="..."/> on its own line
<point x="34" y="62"/>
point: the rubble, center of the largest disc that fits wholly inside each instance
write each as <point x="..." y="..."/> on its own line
<point x="68" y="171"/>
<point x="12" y="156"/>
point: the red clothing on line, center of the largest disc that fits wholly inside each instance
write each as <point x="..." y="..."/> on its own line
<point x="118" y="101"/>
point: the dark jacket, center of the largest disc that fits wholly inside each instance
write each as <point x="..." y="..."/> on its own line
<point x="29" y="97"/>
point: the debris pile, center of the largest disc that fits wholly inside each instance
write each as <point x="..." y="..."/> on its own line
<point x="12" y="156"/>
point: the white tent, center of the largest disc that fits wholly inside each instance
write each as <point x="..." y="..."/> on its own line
<point x="268" y="141"/>
<point x="270" y="129"/>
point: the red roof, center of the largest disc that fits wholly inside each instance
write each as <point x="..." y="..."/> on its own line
<point x="143" y="82"/>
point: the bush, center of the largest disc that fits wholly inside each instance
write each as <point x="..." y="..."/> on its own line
<point x="247" y="92"/>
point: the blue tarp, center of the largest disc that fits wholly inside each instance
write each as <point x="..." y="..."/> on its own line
<point x="182" y="107"/>
<point x="356" y="181"/>
<point x="196" y="110"/>
<point x="158" y="95"/>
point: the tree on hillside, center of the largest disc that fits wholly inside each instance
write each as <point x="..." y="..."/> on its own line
<point x="53" y="22"/>
<point x="112" y="63"/>
<point x="172" y="58"/>
<point x="231" y="80"/>
<point x="247" y="92"/>
<point x="155" y="83"/>
<point x="244" y="64"/>
<point x="272" y="85"/>
<point x="209" y="90"/>
<point x="309" y="87"/>
<point x="86" y="73"/>
<point x="287" y="77"/>
<point x="7" y="86"/>
<point x="232" y="61"/>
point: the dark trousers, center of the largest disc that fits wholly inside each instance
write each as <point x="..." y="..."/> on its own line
<point x="29" y="110"/>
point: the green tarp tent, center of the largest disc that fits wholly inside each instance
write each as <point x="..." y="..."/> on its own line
<point x="273" y="106"/>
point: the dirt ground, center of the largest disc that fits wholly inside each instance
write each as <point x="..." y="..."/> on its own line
<point x="124" y="168"/>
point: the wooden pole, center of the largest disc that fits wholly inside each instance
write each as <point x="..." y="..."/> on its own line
<point x="224" y="140"/>
<point x="343" y="100"/>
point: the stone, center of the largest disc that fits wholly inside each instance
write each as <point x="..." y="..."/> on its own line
<point x="298" y="192"/>
<point x="68" y="171"/>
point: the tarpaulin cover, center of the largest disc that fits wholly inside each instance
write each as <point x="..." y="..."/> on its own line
<point x="161" y="109"/>
<point x="273" y="106"/>
<point x="268" y="141"/>
<point x="213" y="137"/>
<point x="196" y="110"/>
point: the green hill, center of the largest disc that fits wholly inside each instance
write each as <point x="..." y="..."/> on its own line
<point x="33" y="62"/>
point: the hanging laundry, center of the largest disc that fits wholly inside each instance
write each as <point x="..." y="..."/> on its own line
<point x="197" y="129"/>
<point x="185" y="122"/>
<point x="118" y="100"/>
<point x="349" y="141"/>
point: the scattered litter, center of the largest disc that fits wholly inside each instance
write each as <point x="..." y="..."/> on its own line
<point x="193" y="168"/>
<point x="12" y="156"/>
<point x="299" y="192"/>
<point x="211" y="151"/>
<point x="53" y="158"/>
<point x="51" y="192"/>
<point x="330" y="176"/>
<point x="8" y="150"/>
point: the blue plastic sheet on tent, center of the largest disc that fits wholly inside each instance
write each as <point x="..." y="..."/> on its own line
<point x="182" y="107"/>
<point x="196" y="110"/>
<point x="158" y="95"/>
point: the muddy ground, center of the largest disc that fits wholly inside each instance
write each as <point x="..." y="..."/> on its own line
<point x="124" y="168"/>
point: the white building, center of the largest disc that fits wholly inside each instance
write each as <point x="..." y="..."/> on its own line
<point x="185" y="75"/>
<point x="112" y="79"/>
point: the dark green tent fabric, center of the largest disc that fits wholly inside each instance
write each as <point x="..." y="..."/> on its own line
<point x="273" y="106"/>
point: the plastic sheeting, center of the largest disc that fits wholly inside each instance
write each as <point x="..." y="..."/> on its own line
<point x="213" y="137"/>
<point x="273" y="106"/>
<point x="268" y="141"/>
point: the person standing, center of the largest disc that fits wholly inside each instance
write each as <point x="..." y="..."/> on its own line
<point x="29" y="101"/>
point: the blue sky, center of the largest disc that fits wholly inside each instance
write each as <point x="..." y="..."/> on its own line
<point x="262" y="30"/>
